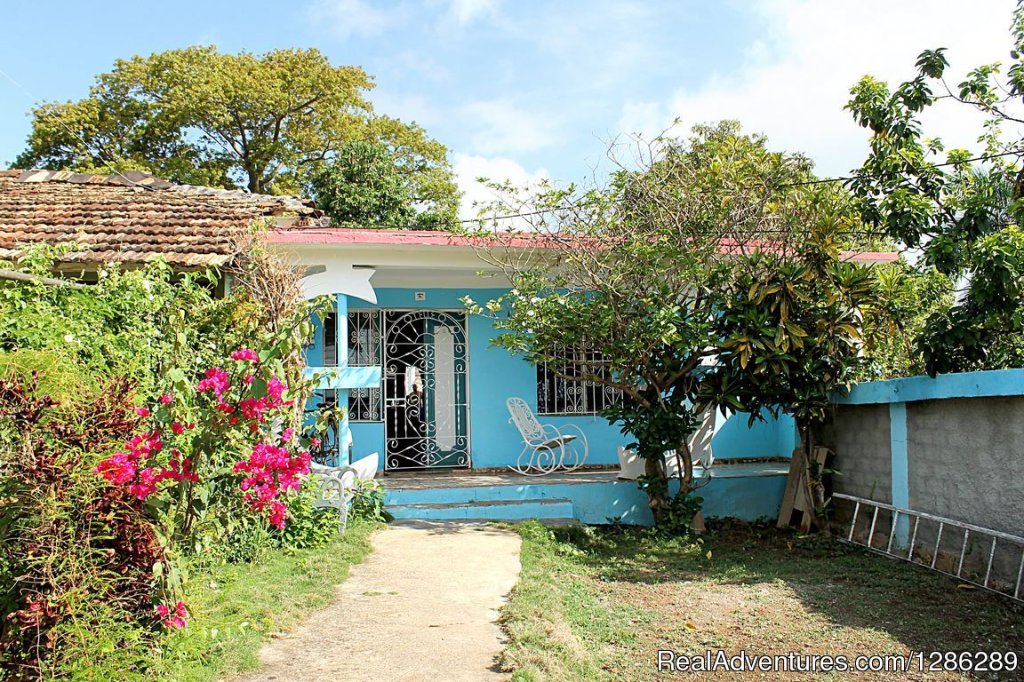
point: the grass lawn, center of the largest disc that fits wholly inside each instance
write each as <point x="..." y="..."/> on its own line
<point x="236" y="608"/>
<point x="597" y="604"/>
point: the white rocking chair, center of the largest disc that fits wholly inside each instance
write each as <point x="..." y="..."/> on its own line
<point x="546" y="449"/>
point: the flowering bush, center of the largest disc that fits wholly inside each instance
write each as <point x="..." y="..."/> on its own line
<point x="206" y="447"/>
<point x="159" y="438"/>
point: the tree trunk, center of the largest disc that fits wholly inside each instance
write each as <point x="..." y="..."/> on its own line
<point x="685" y="467"/>
<point x="657" y="485"/>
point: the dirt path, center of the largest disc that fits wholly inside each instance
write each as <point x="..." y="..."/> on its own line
<point x="423" y="606"/>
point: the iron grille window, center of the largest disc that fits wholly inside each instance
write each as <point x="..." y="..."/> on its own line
<point x="365" y="349"/>
<point x="558" y="395"/>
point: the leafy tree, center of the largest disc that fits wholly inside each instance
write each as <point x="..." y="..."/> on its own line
<point x="962" y="211"/>
<point x="195" y="115"/>
<point x="906" y="297"/>
<point x="634" y="269"/>
<point x="370" y="184"/>
<point x="790" y="326"/>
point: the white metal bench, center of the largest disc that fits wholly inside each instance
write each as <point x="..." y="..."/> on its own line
<point x="337" y="485"/>
<point x="546" y="448"/>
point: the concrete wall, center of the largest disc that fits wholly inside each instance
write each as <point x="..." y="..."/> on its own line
<point x="952" y="446"/>
<point x="966" y="460"/>
<point x="861" y="441"/>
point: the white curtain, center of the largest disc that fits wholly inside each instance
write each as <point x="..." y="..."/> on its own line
<point x="444" y="388"/>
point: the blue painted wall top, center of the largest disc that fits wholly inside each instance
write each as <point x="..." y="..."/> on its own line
<point x="992" y="383"/>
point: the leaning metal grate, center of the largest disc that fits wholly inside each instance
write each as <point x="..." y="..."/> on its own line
<point x="987" y="558"/>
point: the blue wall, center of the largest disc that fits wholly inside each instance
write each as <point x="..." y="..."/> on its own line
<point x="494" y="376"/>
<point x="743" y="494"/>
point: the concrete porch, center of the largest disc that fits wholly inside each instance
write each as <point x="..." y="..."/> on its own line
<point x="748" y="491"/>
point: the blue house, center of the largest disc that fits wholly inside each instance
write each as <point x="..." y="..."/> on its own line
<point x="425" y="389"/>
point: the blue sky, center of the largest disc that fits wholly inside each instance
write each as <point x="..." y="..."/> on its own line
<point x="527" y="89"/>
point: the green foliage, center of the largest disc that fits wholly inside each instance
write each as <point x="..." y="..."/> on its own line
<point x="370" y="184"/>
<point x="985" y="328"/>
<point x="906" y="297"/>
<point x="197" y="116"/>
<point x="308" y="526"/>
<point x="634" y="271"/>
<point x="962" y="211"/>
<point x="368" y="503"/>
<point x="105" y="329"/>
<point x="790" y="326"/>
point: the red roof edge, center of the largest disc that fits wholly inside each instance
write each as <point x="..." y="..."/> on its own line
<point x="370" y="236"/>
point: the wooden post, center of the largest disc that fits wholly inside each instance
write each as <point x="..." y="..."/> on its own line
<point x="796" y="467"/>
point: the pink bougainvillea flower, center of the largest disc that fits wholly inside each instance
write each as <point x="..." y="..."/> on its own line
<point x="278" y="513"/>
<point x="275" y="389"/>
<point x="145" y="445"/>
<point x="253" y="408"/>
<point x="245" y="354"/>
<point x="118" y="469"/>
<point x="142" y="411"/>
<point x="216" y="380"/>
<point x="287" y="434"/>
<point x="166" y="399"/>
<point x="177" y="428"/>
<point x="145" y="484"/>
<point x="248" y="379"/>
<point x="269" y="471"/>
<point x="174" y="619"/>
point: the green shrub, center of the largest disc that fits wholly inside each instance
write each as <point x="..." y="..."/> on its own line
<point x="308" y="526"/>
<point x="368" y="502"/>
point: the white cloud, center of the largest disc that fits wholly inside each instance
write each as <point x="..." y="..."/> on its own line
<point x="465" y="11"/>
<point x="347" y="18"/>
<point x="468" y="168"/>
<point x="646" y="118"/>
<point x="796" y="80"/>
<point x="502" y="127"/>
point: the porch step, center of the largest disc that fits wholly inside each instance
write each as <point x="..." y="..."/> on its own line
<point x="548" y="509"/>
<point x="532" y="490"/>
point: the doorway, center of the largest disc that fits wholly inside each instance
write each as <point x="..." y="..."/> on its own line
<point x="426" y="406"/>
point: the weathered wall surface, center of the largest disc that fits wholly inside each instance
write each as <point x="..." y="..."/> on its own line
<point x="966" y="460"/>
<point x="863" y="457"/>
<point x="964" y="457"/>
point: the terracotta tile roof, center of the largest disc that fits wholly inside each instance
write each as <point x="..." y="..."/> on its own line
<point x="135" y="217"/>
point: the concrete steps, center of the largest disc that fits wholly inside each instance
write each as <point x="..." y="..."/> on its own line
<point x="544" y="509"/>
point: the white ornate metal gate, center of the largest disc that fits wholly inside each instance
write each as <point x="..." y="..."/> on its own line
<point x="426" y="407"/>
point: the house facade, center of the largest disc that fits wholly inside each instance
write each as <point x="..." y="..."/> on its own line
<point x="421" y="380"/>
<point x="422" y="385"/>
